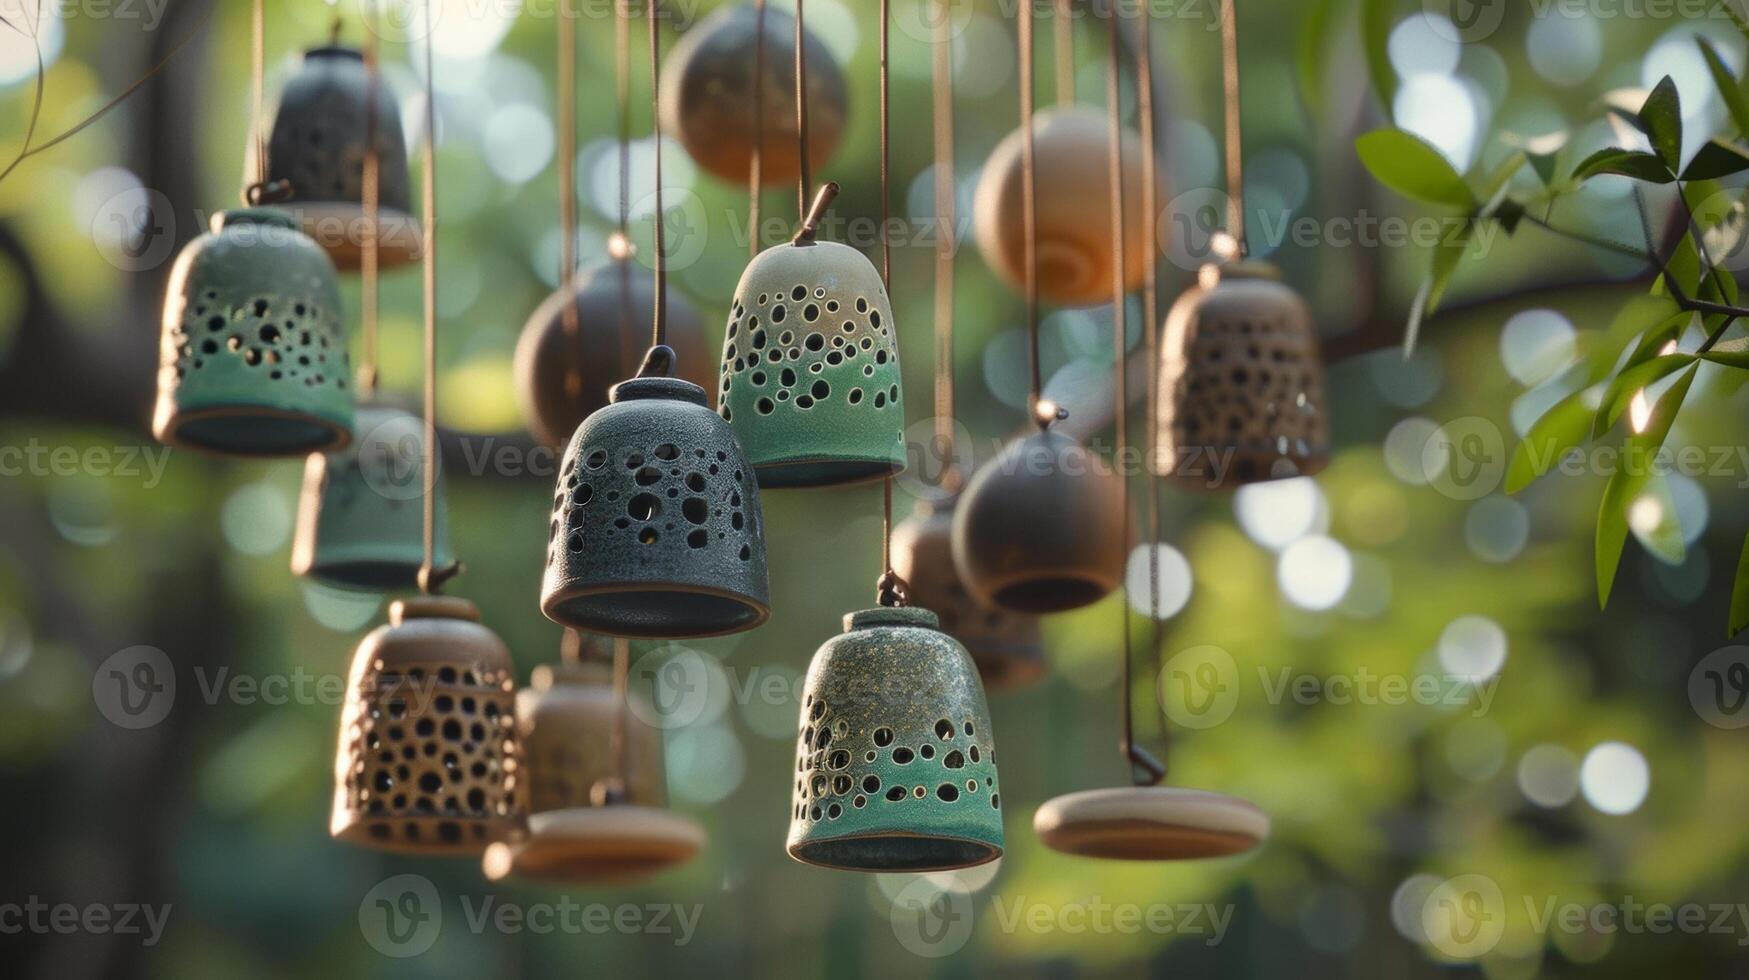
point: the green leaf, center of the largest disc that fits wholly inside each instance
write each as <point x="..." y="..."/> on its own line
<point x="1377" y="17"/>
<point x="1446" y="256"/>
<point x="1309" y="57"/>
<point x="1544" y="164"/>
<point x="1684" y="265"/>
<point x="1565" y="426"/>
<point x="1730" y="358"/>
<point x="1410" y="166"/>
<point x="1629" y="383"/>
<point x="1736" y="18"/>
<point x="1730" y="92"/>
<point x="1627" y="163"/>
<point x="1493" y="186"/>
<point x="1629" y="478"/>
<point x="1740" y="594"/>
<point x="1716" y="158"/>
<point x="1662" y="116"/>
<point x="1637" y="315"/>
<point x="1663" y="536"/>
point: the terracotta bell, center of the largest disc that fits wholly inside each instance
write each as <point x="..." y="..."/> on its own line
<point x="561" y="379"/>
<point x="1150" y="823"/>
<point x="591" y="818"/>
<point x="428" y="761"/>
<point x="896" y="762"/>
<point x="707" y="96"/>
<point x="1040" y="528"/>
<point x="1005" y="645"/>
<point x="318" y="145"/>
<point x="361" y="515"/>
<point x="811" y="368"/>
<point x="1241" y="382"/>
<point x="253" y="357"/>
<point x="1073" y="195"/>
<point x="656" y="527"/>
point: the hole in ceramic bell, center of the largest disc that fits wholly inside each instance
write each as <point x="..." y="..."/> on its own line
<point x="361" y="515"/>
<point x="656" y="528"/>
<point x="1241" y="382"/>
<point x="565" y="721"/>
<point x="428" y="760"/>
<point x="708" y="96"/>
<point x="318" y="145"/>
<point x="1150" y="823"/>
<point x="1005" y="645"/>
<point x="562" y="379"/>
<point x="1040" y="528"/>
<point x="252" y="358"/>
<point x="895" y="762"/>
<point x="810" y="372"/>
<point x="1075" y="256"/>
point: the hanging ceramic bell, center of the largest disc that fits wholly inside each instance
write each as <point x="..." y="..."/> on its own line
<point x="253" y="357"/>
<point x="1150" y="823"/>
<point x="318" y="146"/>
<point x="896" y="763"/>
<point x="1040" y="528"/>
<point x="361" y="516"/>
<point x="811" y="368"/>
<point x="1005" y="646"/>
<point x="562" y="379"/>
<point x="589" y="820"/>
<point x="656" y="528"/>
<point x="1073" y="181"/>
<point x="1241" y="395"/>
<point x="428" y="759"/>
<point x="708" y="96"/>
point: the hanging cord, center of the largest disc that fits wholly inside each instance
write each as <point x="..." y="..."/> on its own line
<point x="259" y="190"/>
<point x="756" y="166"/>
<point x="431" y="577"/>
<point x="1063" y="50"/>
<point x="1151" y="353"/>
<point x="612" y="789"/>
<point x="660" y="359"/>
<point x="570" y="318"/>
<point x="946" y="232"/>
<point x="1043" y="412"/>
<point x="571" y="648"/>
<point x="890" y="589"/>
<point x="622" y="88"/>
<point x="804" y="180"/>
<point x="371" y="195"/>
<point x="1235" y="162"/>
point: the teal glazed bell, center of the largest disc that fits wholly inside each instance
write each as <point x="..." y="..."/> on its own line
<point x="895" y="762"/>
<point x="810" y="373"/>
<point x="361" y="516"/>
<point x="429" y="761"/>
<point x="318" y="146"/>
<point x="656" y="528"/>
<point x="253" y="358"/>
<point x="1040" y="528"/>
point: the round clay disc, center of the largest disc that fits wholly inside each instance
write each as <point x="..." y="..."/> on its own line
<point x="1150" y="823"/>
<point x="606" y="844"/>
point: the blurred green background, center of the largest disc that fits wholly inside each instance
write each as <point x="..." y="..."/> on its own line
<point x="1572" y="767"/>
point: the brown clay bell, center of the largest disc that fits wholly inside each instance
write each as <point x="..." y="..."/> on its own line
<point x="1150" y="823"/>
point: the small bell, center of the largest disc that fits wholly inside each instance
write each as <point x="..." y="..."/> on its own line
<point x="811" y="368"/>
<point x="428" y="760"/>
<point x="589" y="821"/>
<point x="656" y="528"/>
<point x="253" y="357"/>
<point x="896" y="762"/>
<point x="361" y="516"/>
<point x="1241" y="395"/>
<point x="1150" y="823"/>
<point x="1040" y="528"/>
<point x="320" y="136"/>
<point x="1005" y="646"/>
<point x="1073" y="180"/>
<point x="708" y="96"/>
<point x="562" y="379"/>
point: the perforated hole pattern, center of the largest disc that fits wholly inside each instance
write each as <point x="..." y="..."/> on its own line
<point x="290" y="340"/>
<point x="800" y="346"/>
<point x="699" y="501"/>
<point x="840" y="768"/>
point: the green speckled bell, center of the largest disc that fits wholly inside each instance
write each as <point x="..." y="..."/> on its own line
<point x="895" y="762"/>
<point x="811" y="368"/>
<point x="361" y="516"/>
<point x="428" y="761"/>
<point x="318" y="146"/>
<point x="656" y="528"/>
<point x="253" y="357"/>
<point x="589" y="819"/>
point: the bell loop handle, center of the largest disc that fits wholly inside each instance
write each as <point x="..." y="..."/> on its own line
<point x="816" y="214"/>
<point x="658" y="362"/>
<point x="1046" y="413"/>
<point x="433" y="577"/>
<point x="267" y="192"/>
<point x="891" y="591"/>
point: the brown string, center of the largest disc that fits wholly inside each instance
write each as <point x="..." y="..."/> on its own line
<point x="622" y="85"/>
<point x="756" y="167"/>
<point x="890" y="590"/>
<point x="804" y="180"/>
<point x="617" y="747"/>
<point x="1151" y="343"/>
<point x="570" y="316"/>
<point x="371" y="253"/>
<point x="1063" y="50"/>
<point x="1230" y="87"/>
<point x="431" y="578"/>
<point x="1119" y="333"/>
<point x="1029" y="219"/>
<point x="253" y="190"/>
<point x="659" y="321"/>
<point x="945" y="233"/>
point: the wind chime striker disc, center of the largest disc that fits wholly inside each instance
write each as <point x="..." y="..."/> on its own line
<point x="599" y="844"/>
<point x="1150" y="823"/>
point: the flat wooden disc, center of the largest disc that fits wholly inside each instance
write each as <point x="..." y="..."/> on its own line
<point x="1150" y="823"/>
<point x="605" y="844"/>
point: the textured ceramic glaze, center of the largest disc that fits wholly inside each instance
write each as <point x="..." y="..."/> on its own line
<point x="895" y="761"/>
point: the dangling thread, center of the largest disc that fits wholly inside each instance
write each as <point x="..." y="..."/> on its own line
<point x="941" y="65"/>
<point x="890" y="590"/>
<point x="431" y="577"/>
<point x="1043" y="412"/>
<point x="259" y="191"/>
<point x="756" y="167"/>
<point x="804" y="180"/>
<point x="371" y="194"/>
<point x="1151" y="352"/>
<point x="1235" y="161"/>
<point x="612" y="790"/>
<point x="569" y="317"/>
<point x="659" y="321"/>
<point x="1063" y="50"/>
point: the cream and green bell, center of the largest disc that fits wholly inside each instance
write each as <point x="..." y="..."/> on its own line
<point x="361" y="519"/>
<point x="895" y="762"/>
<point x="253" y="357"/>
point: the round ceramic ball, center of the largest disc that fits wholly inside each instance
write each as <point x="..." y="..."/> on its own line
<point x="562" y="379"/>
<point x="1073" y="192"/>
<point x="707" y="96"/>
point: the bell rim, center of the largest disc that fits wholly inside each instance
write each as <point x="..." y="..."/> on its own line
<point x="856" y="470"/>
<point x="400" y="235"/>
<point x="168" y="429"/>
<point x="1151" y="823"/>
<point x="353" y="827"/>
<point x="798" y="851"/>
<point x="554" y="599"/>
<point x="999" y="590"/>
<point x="590" y="845"/>
<point x="361" y="574"/>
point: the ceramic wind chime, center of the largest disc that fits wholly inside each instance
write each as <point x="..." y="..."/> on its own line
<point x="1242" y="383"/>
